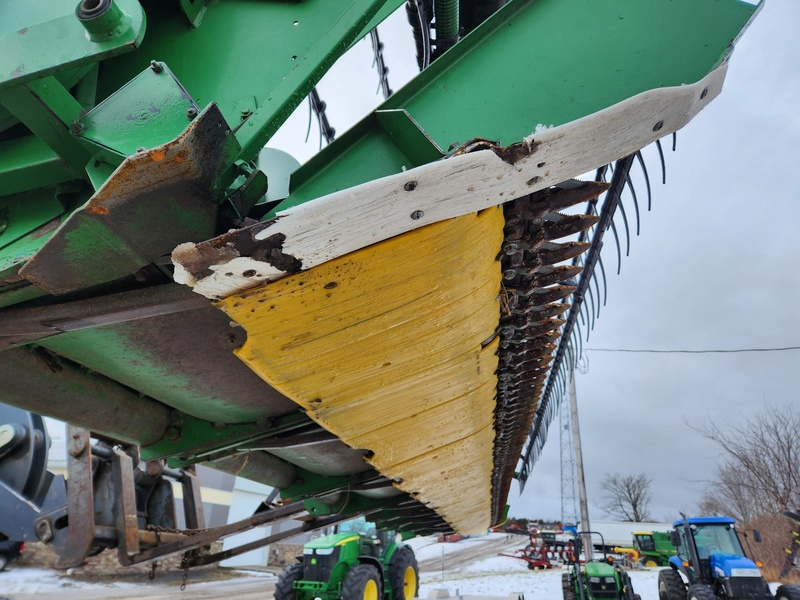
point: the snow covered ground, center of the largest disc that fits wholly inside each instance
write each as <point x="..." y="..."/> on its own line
<point x="501" y="575"/>
<point x="471" y="567"/>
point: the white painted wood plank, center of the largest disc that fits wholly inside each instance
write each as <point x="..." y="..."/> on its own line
<point x="339" y="223"/>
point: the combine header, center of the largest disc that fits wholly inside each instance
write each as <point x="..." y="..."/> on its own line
<point x="393" y="338"/>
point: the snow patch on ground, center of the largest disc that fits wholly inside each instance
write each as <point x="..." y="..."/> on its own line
<point x="23" y="580"/>
<point x="544" y="585"/>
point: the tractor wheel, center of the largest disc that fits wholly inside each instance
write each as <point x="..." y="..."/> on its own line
<point x="788" y="592"/>
<point x="670" y="585"/>
<point x="404" y="574"/>
<point x="700" y="591"/>
<point x="3" y="562"/>
<point x="290" y="574"/>
<point x="567" y="588"/>
<point x="362" y="582"/>
<point x="649" y="562"/>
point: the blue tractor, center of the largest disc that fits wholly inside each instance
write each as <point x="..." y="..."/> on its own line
<point x="713" y="562"/>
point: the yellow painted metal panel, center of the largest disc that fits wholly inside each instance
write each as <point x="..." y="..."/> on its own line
<point x="383" y="347"/>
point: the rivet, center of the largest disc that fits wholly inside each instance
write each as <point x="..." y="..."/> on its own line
<point x="156" y="66"/>
<point x="417" y="215"/>
<point x="658" y="126"/>
<point x="410" y="186"/>
<point x="704" y="93"/>
<point x="191" y="113"/>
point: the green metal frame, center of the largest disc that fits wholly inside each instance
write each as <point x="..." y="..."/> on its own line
<point x="77" y="140"/>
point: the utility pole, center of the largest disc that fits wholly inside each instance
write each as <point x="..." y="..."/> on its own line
<point x="576" y="438"/>
<point x="569" y="489"/>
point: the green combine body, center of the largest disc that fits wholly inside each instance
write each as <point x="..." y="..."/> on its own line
<point x="382" y="331"/>
<point x="655" y="547"/>
<point x="361" y="563"/>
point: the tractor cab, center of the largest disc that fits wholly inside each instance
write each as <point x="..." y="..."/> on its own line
<point x="713" y="562"/>
<point x="718" y="547"/>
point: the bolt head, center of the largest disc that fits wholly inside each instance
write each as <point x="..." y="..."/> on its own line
<point x="191" y="113"/>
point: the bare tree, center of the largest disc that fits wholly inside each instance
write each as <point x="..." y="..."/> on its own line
<point x="627" y="497"/>
<point x="760" y="471"/>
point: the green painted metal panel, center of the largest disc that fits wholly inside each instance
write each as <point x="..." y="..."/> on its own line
<point x="28" y="163"/>
<point x="543" y="63"/>
<point x="21" y="214"/>
<point x="113" y="351"/>
<point x="48" y="109"/>
<point x="150" y="110"/>
<point x="31" y="48"/>
<point x="261" y="57"/>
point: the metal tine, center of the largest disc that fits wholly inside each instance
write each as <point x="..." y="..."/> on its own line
<point x="621" y="207"/>
<point x="591" y="299"/>
<point x="605" y="283"/>
<point x="310" y="112"/>
<point x="663" y="163"/>
<point x="597" y="287"/>
<point x="588" y="321"/>
<point x="646" y="179"/>
<point x="600" y="174"/>
<point x="674" y="140"/>
<point x="635" y="199"/>
<point x="619" y="249"/>
<point x="572" y="339"/>
<point x="580" y="314"/>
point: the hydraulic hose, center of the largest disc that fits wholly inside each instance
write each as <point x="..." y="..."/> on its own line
<point x="446" y="23"/>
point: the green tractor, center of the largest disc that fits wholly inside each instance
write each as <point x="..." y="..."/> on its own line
<point x="655" y="547"/>
<point x="359" y="562"/>
<point x="598" y="579"/>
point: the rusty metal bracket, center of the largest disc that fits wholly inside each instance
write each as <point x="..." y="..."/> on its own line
<point x="80" y="500"/>
<point x="126" y="522"/>
<point x="175" y="185"/>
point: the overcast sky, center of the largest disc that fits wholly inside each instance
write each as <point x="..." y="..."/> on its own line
<point x="715" y="267"/>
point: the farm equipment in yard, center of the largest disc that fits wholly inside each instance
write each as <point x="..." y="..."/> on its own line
<point x="712" y="560"/>
<point x="387" y="334"/>
<point x="596" y="579"/>
<point x="654" y="547"/>
<point x="359" y="563"/>
<point x="543" y="547"/>
<point x="794" y="545"/>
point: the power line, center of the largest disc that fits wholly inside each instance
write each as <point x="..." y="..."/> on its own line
<point x="715" y="351"/>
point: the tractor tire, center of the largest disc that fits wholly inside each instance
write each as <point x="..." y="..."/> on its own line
<point x="649" y="562"/>
<point x="404" y="574"/>
<point x="567" y="588"/>
<point x="670" y="585"/>
<point x="787" y="592"/>
<point x="362" y="582"/>
<point x="290" y="574"/>
<point x="700" y="591"/>
<point x="3" y="562"/>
